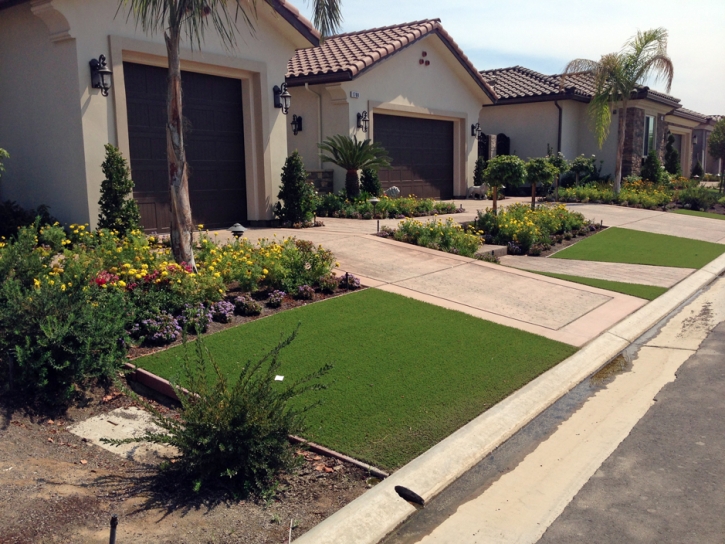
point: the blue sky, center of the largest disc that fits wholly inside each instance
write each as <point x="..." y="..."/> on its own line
<point x="545" y="35"/>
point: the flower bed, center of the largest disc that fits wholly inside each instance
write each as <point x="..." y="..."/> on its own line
<point x="436" y="234"/>
<point x="637" y="193"/>
<point x="332" y="205"/>
<point x="527" y="231"/>
<point x="73" y="302"/>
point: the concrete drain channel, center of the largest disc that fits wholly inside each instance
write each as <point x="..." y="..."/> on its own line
<point x="508" y="455"/>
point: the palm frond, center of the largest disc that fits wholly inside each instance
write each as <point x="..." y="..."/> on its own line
<point x="327" y="16"/>
<point x="351" y="154"/>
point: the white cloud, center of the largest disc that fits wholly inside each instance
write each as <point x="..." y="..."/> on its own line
<point x="546" y="35"/>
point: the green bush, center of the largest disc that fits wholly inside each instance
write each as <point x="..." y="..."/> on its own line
<point x="697" y="198"/>
<point x="232" y="435"/>
<point x="370" y="183"/>
<point x="672" y="157"/>
<point x="652" y="168"/>
<point x="438" y="234"/>
<point x="697" y="170"/>
<point x="118" y="210"/>
<point x="297" y="194"/>
<point x="478" y="171"/>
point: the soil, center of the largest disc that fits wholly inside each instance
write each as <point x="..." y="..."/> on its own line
<point x="55" y="487"/>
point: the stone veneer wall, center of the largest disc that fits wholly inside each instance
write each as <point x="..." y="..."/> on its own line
<point x="322" y="180"/>
<point x="633" y="142"/>
<point x="661" y="130"/>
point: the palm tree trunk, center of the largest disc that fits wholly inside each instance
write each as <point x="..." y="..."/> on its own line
<point x="620" y="147"/>
<point x="495" y="200"/>
<point x="181" y="222"/>
<point x="352" y="183"/>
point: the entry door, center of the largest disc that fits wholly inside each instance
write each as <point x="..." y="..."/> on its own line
<point x="214" y="138"/>
<point x="422" y="153"/>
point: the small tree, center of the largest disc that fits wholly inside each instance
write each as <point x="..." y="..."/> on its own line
<point x="652" y="168"/>
<point x="296" y="192"/>
<point x="560" y="163"/>
<point x="672" y="157"/>
<point x="352" y="155"/>
<point x="370" y="182"/>
<point x="716" y="145"/>
<point x="539" y="171"/>
<point x="504" y="171"/>
<point x="478" y="171"/>
<point x="3" y="155"/>
<point x="118" y="209"/>
<point x="697" y="170"/>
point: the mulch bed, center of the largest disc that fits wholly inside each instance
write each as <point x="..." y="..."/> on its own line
<point x="566" y="243"/>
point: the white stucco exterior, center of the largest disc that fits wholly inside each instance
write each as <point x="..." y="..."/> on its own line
<point x="55" y="125"/>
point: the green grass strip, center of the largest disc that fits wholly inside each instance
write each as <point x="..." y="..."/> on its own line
<point x="406" y="373"/>
<point x="647" y="292"/>
<point x="615" y="245"/>
<point x="701" y="214"/>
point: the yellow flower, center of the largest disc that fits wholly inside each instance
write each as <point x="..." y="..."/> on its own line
<point x="121" y="283"/>
<point x="62" y="287"/>
<point x="217" y="274"/>
<point x="51" y="282"/>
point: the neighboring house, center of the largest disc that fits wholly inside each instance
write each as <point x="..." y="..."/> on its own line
<point x="420" y="94"/>
<point x="692" y="131"/>
<point x="54" y="123"/>
<point x="536" y="112"/>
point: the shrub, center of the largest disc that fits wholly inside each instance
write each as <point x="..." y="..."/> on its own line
<point x="672" y="157"/>
<point x="232" y="435"/>
<point x="539" y="171"/>
<point x="222" y="311"/>
<point x="370" y="183"/>
<point x="246" y="305"/>
<point x="585" y="169"/>
<point x="276" y="298"/>
<point x="697" y="198"/>
<point x="13" y="217"/>
<point x="504" y="171"/>
<point x="195" y="318"/>
<point x="652" y="168"/>
<point x="478" y="170"/>
<point x="159" y="330"/>
<point x="697" y="170"/>
<point x="328" y="284"/>
<point x="3" y="156"/>
<point x="352" y="155"/>
<point x="305" y="292"/>
<point x="438" y="234"/>
<point x="118" y="210"/>
<point x="296" y="192"/>
<point x="348" y="281"/>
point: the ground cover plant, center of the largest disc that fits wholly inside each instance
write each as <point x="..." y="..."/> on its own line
<point x="634" y="192"/>
<point x="406" y="375"/>
<point x="616" y="245"/>
<point x="647" y="292"/>
<point x="437" y="234"/>
<point x="527" y="231"/>
<point x="359" y="207"/>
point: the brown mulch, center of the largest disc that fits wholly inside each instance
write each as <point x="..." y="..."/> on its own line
<point x="55" y="487"/>
<point x="566" y="243"/>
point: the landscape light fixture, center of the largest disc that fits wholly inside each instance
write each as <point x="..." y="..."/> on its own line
<point x="282" y="98"/>
<point x="374" y="201"/>
<point x="476" y="130"/>
<point x="363" y="121"/>
<point x="237" y="230"/>
<point x="296" y="124"/>
<point x="100" y="74"/>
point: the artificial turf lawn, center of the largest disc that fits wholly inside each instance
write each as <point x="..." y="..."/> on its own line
<point x="406" y="373"/>
<point x="615" y="245"/>
<point x="648" y="292"/>
<point x="701" y="214"/>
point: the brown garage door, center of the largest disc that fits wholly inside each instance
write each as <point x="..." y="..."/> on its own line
<point x="422" y="153"/>
<point x="214" y="146"/>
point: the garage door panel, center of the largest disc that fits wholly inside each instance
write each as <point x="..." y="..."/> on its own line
<point x="214" y="145"/>
<point x="422" y="153"/>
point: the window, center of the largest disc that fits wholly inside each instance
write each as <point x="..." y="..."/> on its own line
<point x="649" y="134"/>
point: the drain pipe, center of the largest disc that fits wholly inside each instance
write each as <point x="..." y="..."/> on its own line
<point x="558" y="136"/>
<point x="319" y="120"/>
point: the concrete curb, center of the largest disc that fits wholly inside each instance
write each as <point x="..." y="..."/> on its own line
<point x="375" y="514"/>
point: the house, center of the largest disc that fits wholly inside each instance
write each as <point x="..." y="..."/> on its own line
<point x="407" y="86"/>
<point x="55" y="123"/>
<point x="539" y="112"/>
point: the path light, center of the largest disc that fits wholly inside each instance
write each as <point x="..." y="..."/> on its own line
<point x="282" y="98"/>
<point x="100" y="74"/>
<point x="363" y="121"/>
<point x="296" y="124"/>
<point x="237" y="230"/>
<point x="374" y="201"/>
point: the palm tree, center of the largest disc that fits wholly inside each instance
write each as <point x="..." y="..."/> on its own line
<point x="352" y="155"/>
<point x="192" y="18"/>
<point x="617" y="76"/>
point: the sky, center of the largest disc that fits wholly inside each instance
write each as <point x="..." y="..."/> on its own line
<point x="545" y="35"/>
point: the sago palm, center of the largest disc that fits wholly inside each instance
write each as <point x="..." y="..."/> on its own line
<point x="617" y="76"/>
<point x="191" y="19"/>
<point x="353" y="155"/>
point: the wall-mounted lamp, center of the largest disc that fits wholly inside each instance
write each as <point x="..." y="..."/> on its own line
<point x="476" y="130"/>
<point x="282" y="98"/>
<point x="296" y="124"/>
<point x="100" y="74"/>
<point x="694" y="139"/>
<point x="363" y="121"/>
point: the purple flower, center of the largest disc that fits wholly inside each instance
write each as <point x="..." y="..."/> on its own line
<point x="276" y="298"/>
<point x="305" y="292"/>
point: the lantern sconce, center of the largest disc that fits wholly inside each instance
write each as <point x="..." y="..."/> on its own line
<point x="363" y="121"/>
<point x="476" y="130"/>
<point x="100" y="75"/>
<point x="296" y="124"/>
<point x="282" y="98"/>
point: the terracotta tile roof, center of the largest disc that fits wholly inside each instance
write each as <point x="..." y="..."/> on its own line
<point x="345" y="56"/>
<point x="689" y="114"/>
<point x="519" y="84"/>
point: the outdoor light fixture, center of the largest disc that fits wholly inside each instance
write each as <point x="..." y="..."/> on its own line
<point x="296" y="124"/>
<point x="363" y="121"/>
<point x="100" y="74"/>
<point x="476" y="129"/>
<point x="282" y="98"/>
<point x="237" y="230"/>
<point x="374" y="201"/>
<point x="694" y="139"/>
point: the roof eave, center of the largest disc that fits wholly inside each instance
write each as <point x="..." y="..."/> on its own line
<point x="320" y="79"/>
<point x="542" y="98"/>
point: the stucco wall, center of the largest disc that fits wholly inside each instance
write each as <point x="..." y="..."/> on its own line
<point x="93" y="25"/>
<point x="588" y="144"/>
<point x="399" y="86"/>
<point x="40" y="118"/>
